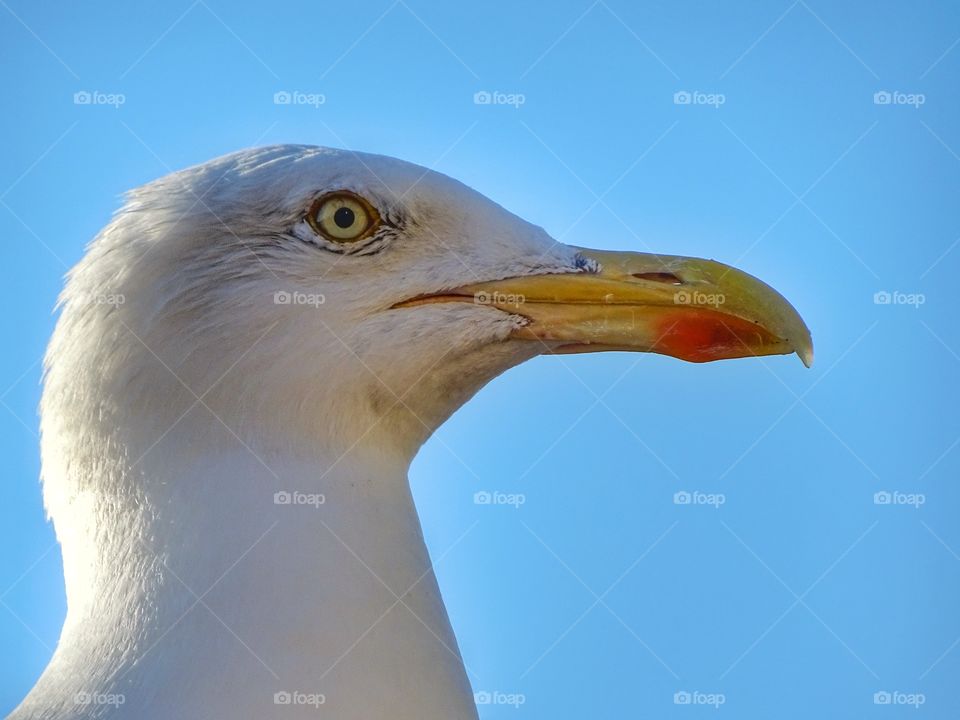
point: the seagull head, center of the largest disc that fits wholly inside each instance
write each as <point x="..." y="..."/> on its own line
<point x="329" y="289"/>
<point x="299" y="318"/>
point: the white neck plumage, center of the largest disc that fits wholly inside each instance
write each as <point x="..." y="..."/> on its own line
<point x="217" y="592"/>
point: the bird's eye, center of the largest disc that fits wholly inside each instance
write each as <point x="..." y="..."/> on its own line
<point x="343" y="217"/>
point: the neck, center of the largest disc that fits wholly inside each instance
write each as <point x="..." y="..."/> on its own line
<point x="223" y="598"/>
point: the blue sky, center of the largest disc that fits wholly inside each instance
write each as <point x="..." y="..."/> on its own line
<point x="818" y="150"/>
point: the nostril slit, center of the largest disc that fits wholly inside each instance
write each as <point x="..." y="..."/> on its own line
<point x="661" y="277"/>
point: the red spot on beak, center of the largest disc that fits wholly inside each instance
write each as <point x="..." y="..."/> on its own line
<point x="705" y="334"/>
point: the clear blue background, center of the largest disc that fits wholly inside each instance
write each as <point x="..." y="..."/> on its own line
<point x="799" y="597"/>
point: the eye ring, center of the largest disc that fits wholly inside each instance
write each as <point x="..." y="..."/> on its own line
<point x="343" y="217"/>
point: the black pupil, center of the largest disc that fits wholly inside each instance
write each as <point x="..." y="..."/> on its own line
<point x="344" y="217"/>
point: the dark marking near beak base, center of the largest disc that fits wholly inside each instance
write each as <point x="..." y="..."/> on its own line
<point x="661" y="277"/>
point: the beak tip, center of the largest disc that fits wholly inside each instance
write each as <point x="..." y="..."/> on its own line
<point x="805" y="353"/>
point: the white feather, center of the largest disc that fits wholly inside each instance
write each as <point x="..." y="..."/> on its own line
<point x="180" y="397"/>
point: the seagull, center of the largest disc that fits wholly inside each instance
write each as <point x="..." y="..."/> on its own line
<point x="247" y="359"/>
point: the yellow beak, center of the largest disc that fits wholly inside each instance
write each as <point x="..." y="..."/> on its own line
<point x="688" y="308"/>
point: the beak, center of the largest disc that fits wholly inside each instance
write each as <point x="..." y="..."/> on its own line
<point x="688" y="308"/>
